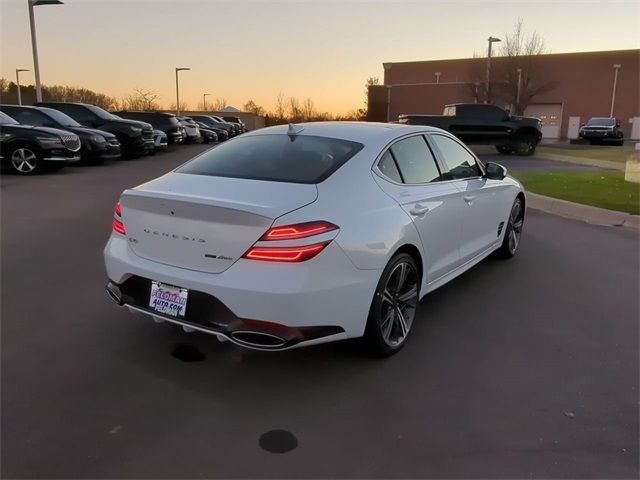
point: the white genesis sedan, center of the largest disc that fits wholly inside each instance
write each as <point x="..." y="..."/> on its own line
<point x="303" y="234"/>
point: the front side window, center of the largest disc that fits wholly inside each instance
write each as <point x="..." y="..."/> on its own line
<point x="415" y="161"/>
<point x="459" y="161"/>
<point x="277" y="158"/>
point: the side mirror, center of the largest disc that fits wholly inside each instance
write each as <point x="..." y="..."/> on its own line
<point x="494" y="171"/>
<point x="617" y="125"/>
<point x="582" y="124"/>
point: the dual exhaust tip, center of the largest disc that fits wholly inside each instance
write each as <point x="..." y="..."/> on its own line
<point x="245" y="338"/>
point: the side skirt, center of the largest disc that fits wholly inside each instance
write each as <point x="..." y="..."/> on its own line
<point x="447" y="277"/>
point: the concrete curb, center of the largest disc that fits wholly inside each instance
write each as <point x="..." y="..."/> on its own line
<point x="620" y="166"/>
<point x="586" y="213"/>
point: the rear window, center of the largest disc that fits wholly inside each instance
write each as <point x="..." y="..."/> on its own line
<point x="276" y="158"/>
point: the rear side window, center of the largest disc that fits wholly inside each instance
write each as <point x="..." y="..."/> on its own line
<point x="277" y="158"/>
<point x="415" y="160"/>
<point x="388" y="167"/>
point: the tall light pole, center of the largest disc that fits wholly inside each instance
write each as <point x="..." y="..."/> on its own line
<point x="491" y="40"/>
<point x="34" y="45"/>
<point x="178" y="69"/>
<point x="616" y="67"/>
<point x="204" y="101"/>
<point x="517" y="112"/>
<point x="18" y="70"/>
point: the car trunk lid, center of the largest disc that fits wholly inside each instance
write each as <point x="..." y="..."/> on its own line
<point x="205" y="223"/>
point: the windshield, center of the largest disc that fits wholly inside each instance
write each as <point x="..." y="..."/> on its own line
<point x="100" y="113"/>
<point x="602" y="122"/>
<point x="7" y="120"/>
<point x="276" y="158"/>
<point x="61" y="118"/>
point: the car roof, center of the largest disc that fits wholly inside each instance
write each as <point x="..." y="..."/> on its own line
<point x="362" y="132"/>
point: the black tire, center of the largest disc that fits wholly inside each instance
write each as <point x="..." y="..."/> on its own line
<point x="393" y="309"/>
<point x="513" y="231"/>
<point x="25" y="159"/>
<point x="504" y="149"/>
<point x="526" y="145"/>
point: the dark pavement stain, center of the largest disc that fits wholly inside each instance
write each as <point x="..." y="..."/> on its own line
<point x="278" y="441"/>
<point x="188" y="353"/>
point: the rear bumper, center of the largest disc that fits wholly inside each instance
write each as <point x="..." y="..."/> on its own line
<point x="326" y="294"/>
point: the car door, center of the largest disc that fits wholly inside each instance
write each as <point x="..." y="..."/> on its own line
<point x="410" y="174"/>
<point x="483" y="199"/>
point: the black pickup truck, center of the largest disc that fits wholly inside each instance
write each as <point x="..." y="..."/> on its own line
<point x="479" y="124"/>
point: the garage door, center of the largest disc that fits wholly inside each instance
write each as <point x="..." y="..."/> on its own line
<point x="550" y="115"/>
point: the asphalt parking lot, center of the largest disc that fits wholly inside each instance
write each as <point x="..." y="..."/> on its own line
<point x="523" y="368"/>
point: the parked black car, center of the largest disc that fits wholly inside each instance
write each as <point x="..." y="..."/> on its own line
<point x="212" y="122"/>
<point x="602" y="129"/>
<point x="243" y="127"/>
<point x="167" y="122"/>
<point x="207" y="134"/>
<point x="220" y="132"/>
<point x="237" y="130"/>
<point x="136" y="138"/>
<point x="29" y="150"/>
<point x="479" y="124"/>
<point x="97" y="145"/>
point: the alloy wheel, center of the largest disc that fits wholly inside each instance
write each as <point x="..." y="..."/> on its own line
<point x="398" y="305"/>
<point x="516" y="220"/>
<point x="24" y="160"/>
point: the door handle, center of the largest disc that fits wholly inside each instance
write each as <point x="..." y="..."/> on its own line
<point x="419" y="210"/>
<point x="469" y="198"/>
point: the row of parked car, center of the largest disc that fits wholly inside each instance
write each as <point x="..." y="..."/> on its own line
<point x="51" y="135"/>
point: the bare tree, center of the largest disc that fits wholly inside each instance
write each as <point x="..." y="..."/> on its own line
<point x="254" y="108"/>
<point x="141" y="99"/>
<point x="519" y="77"/>
<point x="184" y="107"/>
<point x="219" y="104"/>
<point x="295" y="112"/>
<point x="519" y="56"/>
<point x="280" y="110"/>
<point x="308" y="110"/>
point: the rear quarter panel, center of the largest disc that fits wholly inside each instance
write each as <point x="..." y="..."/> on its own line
<point x="372" y="225"/>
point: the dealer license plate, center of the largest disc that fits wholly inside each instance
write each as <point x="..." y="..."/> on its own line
<point x="168" y="299"/>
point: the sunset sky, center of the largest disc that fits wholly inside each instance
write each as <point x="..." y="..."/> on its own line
<point x="241" y="50"/>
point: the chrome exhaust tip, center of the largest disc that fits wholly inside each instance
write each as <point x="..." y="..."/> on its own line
<point x="248" y="338"/>
<point x="114" y="293"/>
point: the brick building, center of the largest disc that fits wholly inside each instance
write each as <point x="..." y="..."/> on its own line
<point x="580" y="86"/>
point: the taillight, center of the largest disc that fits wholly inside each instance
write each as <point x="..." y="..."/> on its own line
<point x="285" y="254"/>
<point x="117" y="224"/>
<point x="291" y="253"/>
<point x="300" y="230"/>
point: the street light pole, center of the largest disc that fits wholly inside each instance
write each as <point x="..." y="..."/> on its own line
<point x="518" y="92"/>
<point x="204" y="101"/>
<point x="34" y="45"/>
<point x="178" y="69"/>
<point x="491" y="40"/>
<point x="616" y="67"/>
<point x="18" y="70"/>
